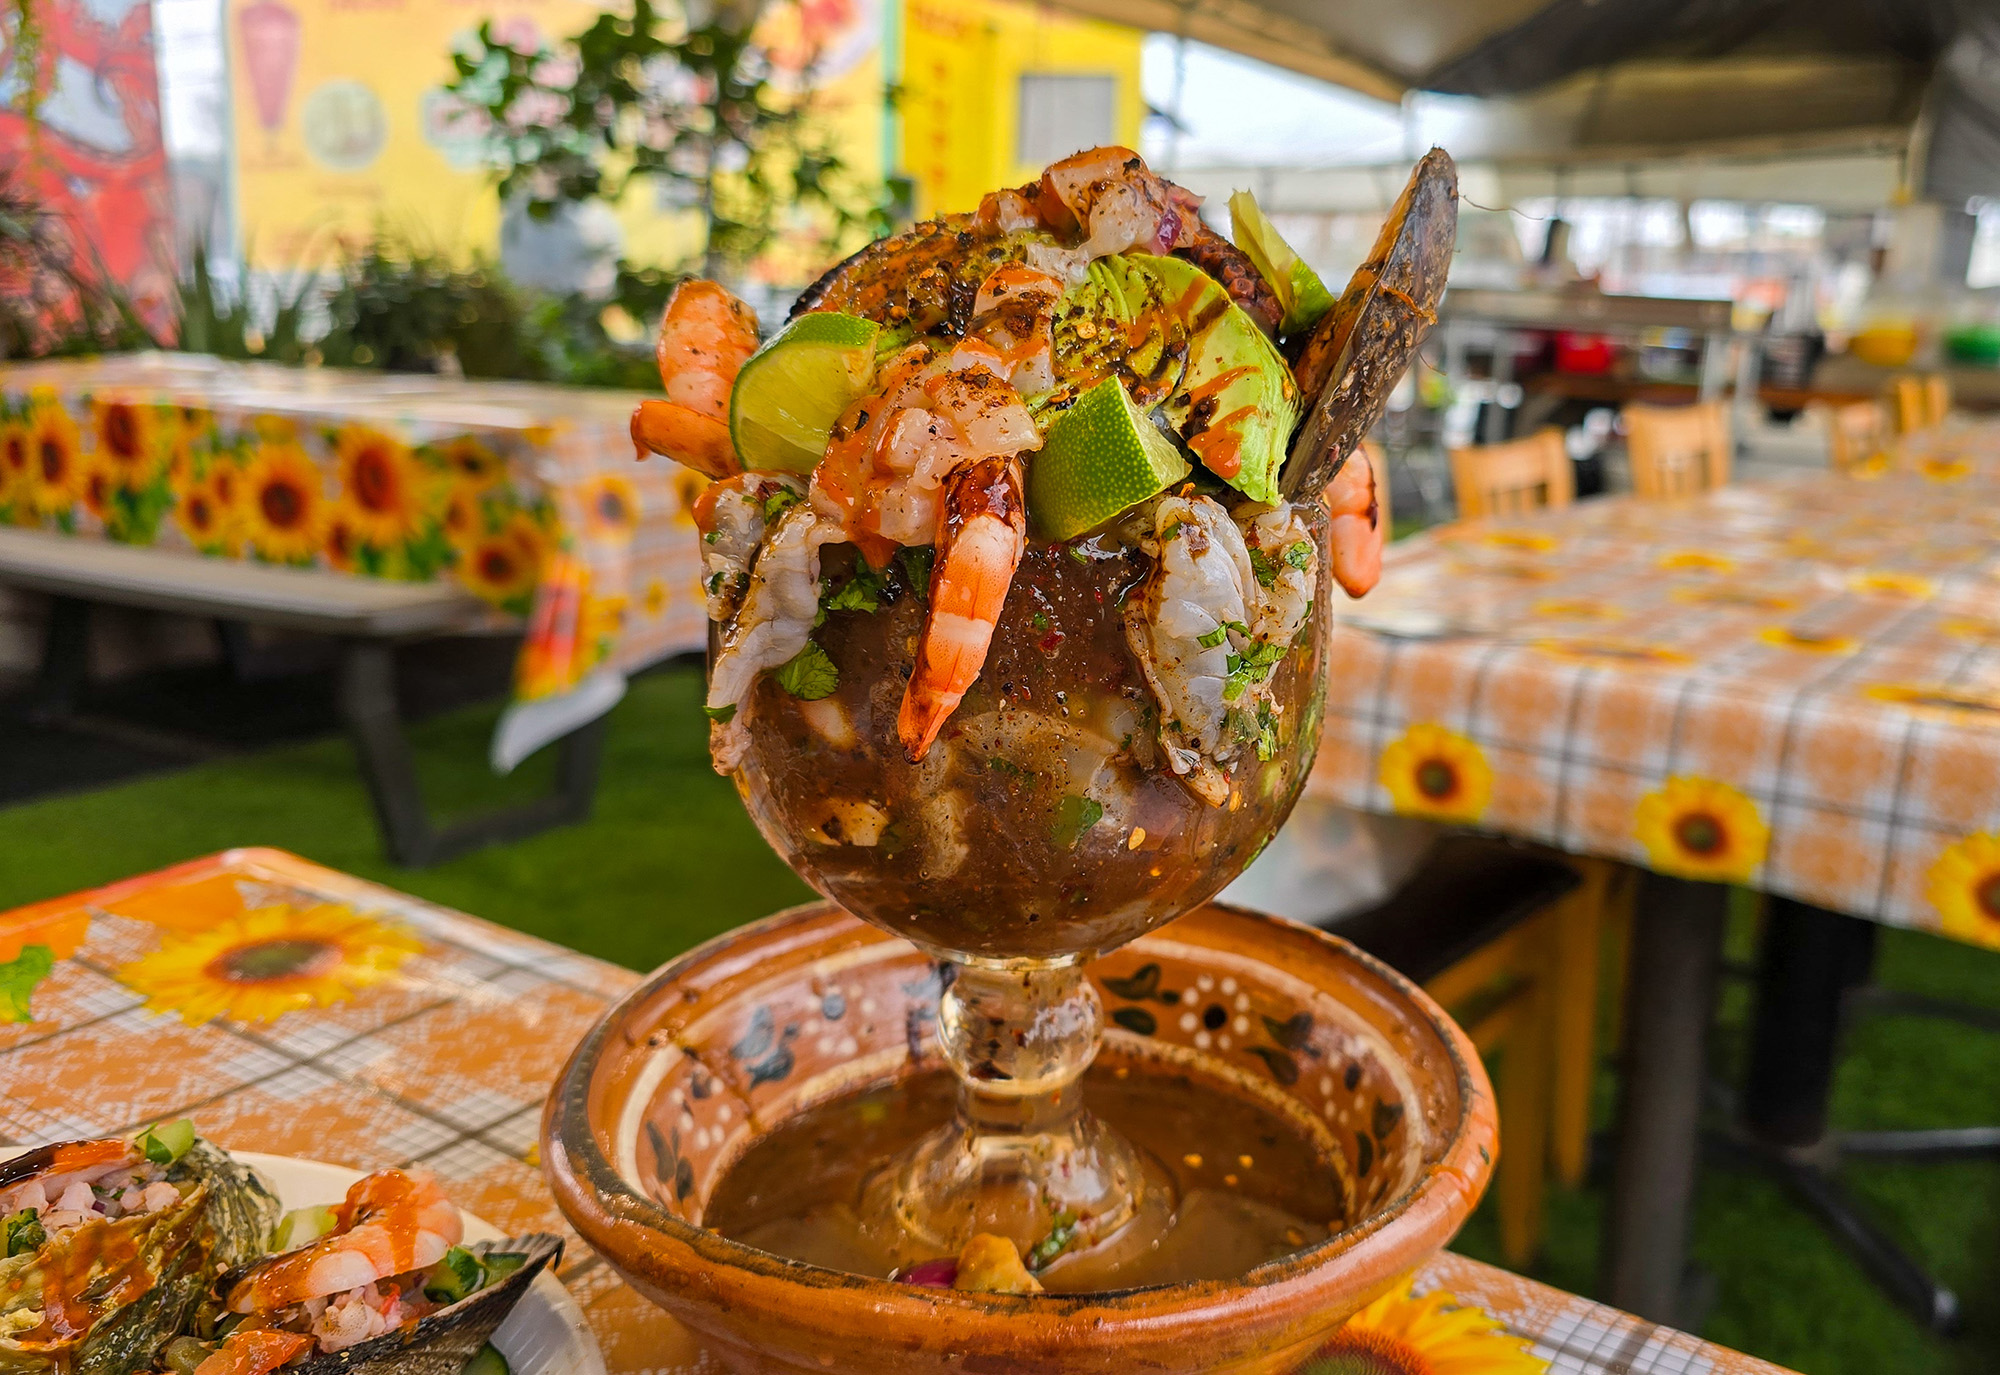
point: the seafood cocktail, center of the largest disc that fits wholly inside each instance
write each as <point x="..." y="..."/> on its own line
<point x="1015" y="557"/>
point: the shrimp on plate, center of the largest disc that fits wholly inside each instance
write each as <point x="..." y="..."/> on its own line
<point x="979" y="543"/>
<point x="705" y="337"/>
<point x="391" y="1223"/>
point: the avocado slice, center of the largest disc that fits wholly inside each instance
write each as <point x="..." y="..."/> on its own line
<point x="1236" y="405"/>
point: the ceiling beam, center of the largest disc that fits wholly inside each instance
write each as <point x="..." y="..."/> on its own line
<point x="1244" y="27"/>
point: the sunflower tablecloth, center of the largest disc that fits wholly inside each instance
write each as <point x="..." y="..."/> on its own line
<point x="291" y="1009"/>
<point x="1793" y="685"/>
<point x="526" y="496"/>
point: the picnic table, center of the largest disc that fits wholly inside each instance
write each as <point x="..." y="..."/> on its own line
<point x="291" y="1009"/>
<point x="1792" y="686"/>
<point x="368" y="507"/>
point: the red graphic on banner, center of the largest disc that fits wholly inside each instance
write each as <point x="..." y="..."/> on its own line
<point x="95" y="156"/>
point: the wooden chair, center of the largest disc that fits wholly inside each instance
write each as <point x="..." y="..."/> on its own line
<point x="1919" y="402"/>
<point x="1509" y="479"/>
<point x="1508" y="939"/>
<point x="1856" y="433"/>
<point x="1678" y="451"/>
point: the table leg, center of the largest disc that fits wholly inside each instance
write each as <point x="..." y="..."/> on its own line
<point x="1676" y="955"/>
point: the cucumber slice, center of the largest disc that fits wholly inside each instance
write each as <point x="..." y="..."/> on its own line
<point x="1100" y="457"/>
<point x="165" y="1142"/>
<point x="791" y="391"/>
<point x="486" y="1361"/>
<point x="452" y="1278"/>
<point x="303" y="1225"/>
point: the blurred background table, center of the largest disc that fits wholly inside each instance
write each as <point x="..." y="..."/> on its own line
<point x="292" y="1009"/>
<point x="1791" y="686"/>
<point x="518" y="503"/>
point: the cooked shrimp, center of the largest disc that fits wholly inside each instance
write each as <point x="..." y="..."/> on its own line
<point x="1357" y="531"/>
<point x="390" y="1224"/>
<point x="732" y="516"/>
<point x="253" y="1351"/>
<point x="778" y="611"/>
<point x="1117" y="201"/>
<point x="1015" y="313"/>
<point x="1008" y="210"/>
<point x="705" y="336"/>
<point x="1291" y="564"/>
<point x="979" y="544"/>
<point x="1180" y="629"/>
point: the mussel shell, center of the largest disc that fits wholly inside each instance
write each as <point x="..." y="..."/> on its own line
<point x="1361" y="348"/>
<point x="442" y="1343"/>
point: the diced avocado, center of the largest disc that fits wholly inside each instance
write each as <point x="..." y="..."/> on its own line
<point x="303" y="1225"/>
<point x="1101" y="456"/>
<point x="451" y="1279"/>
<point x="486" y="1361"/>
<point x="1236" y="405"/>
<point x="165" y="1142"/>
<point x="791" y="391"/>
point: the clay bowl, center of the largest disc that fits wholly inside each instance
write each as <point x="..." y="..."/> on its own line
<point x="714" y="1049"/>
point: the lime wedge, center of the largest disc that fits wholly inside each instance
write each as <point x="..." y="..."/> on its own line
<point x="1100" y="457"/>
<point x="791" y="391"/>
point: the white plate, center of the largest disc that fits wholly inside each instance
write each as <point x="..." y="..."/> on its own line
<point x="544" y="1335"/>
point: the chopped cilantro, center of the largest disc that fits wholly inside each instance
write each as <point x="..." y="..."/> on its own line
<point x="1039" y="621"/>
<point x="723" y="713"/>
<point x="1299" y="555"/>
<point x="1055" y="1243"/>
<point x="1174" y="531"/>
<point x="1267" y="731"/>
<point x="1214" y="637"/>
<point x="1074" y="816"/>
<point x="809" y="675"/>
<point x="715" y="581"/>
<point x="711" y="537"/>
<point x="917" y="561"/>
<point x="862" y="592"/>
<point x="1261" y="565"/>
<point x="778" y="503"/>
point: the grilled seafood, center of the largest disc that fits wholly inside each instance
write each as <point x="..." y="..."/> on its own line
<point x="705" y="337"/>
<point x="390" y="1223"/>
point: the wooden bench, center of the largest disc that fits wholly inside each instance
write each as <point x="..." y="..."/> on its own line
<point x="368" y="616"/>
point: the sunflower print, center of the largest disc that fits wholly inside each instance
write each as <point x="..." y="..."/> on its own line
<point x="201" y="519"/>
<point x="97" y="485"/>
<point x="259" y="965"/>
<point x="1935" y="699"/>
<point x="462" y="520"/>
<point x="56" y="470"/>
<point x="1401" y="1334"/>
<point x="1696" y="561"/>
<point x="470" y="461"/>
<point x="381" y="484"/>
<point x="1785" y="637"/>
<point x="598" y="628"/>
<point x="656" y="598"/>
<point x="1701" y="829"/>
<point x="1437" y="773"/>
<point x="1945" y="469"/>
<point x="502" y="567"/>
<point x="283" y="504"/>
<point x="610" y="508"/>
<point x="1964" y="886"/>
<point x="1885" y="583"/>
<point x="341" y="548"/>
<point x="127" y="448"/>
<point x="1613" y="652"/>
<point x="16" y="443"/>
<point x="688" y="487"/>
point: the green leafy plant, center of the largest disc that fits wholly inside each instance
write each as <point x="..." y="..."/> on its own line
<point x="405" y="309"/>
<point x="689" y="102"/>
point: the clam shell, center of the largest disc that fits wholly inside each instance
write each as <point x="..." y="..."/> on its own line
<point x="442" y="1343"/>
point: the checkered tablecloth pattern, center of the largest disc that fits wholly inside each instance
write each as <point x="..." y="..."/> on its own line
<point x="1793" y="685"/>
<point x="402" y="1033"/>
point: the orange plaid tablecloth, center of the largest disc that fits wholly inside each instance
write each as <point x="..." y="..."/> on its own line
<point x="1793" y="685"/>
<point x="525" y="495"/>
<point x="291" y="1009"/>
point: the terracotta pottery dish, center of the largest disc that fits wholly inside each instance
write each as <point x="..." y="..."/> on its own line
<point x="716" y="1049"/>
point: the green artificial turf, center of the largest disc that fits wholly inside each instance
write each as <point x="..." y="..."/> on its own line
<point x="669" y="859"/>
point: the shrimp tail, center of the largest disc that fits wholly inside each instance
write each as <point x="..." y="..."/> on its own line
<point x="686" y="436"/>
<point x="982" y="530"/>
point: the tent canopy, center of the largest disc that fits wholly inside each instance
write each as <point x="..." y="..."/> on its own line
<point x="1594" y="82"/>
